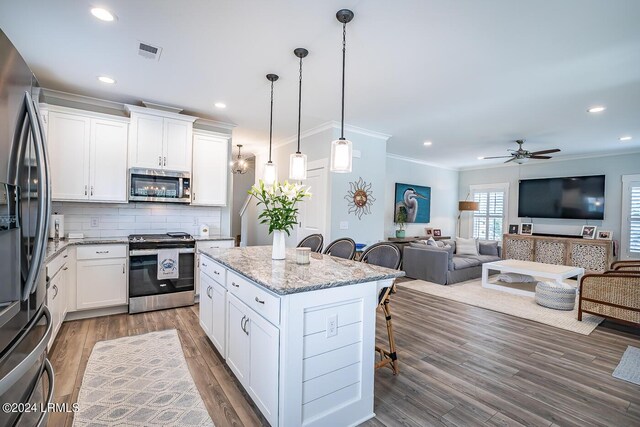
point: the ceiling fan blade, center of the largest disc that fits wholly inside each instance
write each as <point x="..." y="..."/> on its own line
<point x="541" y="157"/>
<point x="510" y="160"/>
<point x="496" y="157"/>
<point x="553" y="150"/>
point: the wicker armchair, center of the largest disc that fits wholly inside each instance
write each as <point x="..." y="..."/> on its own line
<point x="626" y="265"/>
<point x="614" y="294"/>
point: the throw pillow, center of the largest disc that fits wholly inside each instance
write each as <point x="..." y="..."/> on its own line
<point x="431" y="242"/>
<point x="440" y="244"/>
<point x="489" y="248"/>
<point x="466" y="246"/>
<point x="516" y="278"/>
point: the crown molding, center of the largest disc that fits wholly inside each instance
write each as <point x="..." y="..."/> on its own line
<point x="418" y="161"/>
<point x="72" y="97"/>
<point x="214" y="123"/>
<point x="332" y="124"/>
<point x="555" y="160"/>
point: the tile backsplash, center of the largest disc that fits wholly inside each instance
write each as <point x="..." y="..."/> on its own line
<point x="120" y="220"/>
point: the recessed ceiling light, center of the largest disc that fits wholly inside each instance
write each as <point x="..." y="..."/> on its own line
<point x="597" y="109"/>
<point x="481" y="158"/>
<point x="220" y="105"/>
<point x="625" y="138"/>
<point x="427" y="143"/>
<point x="107" y="80"/>
<point x="102" y="14"/>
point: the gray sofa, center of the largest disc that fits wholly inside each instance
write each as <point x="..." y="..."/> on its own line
<point x="443" y="265"/>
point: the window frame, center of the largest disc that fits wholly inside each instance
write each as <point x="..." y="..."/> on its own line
<point x="625" y="220"/>
<point x="485" y="188"/>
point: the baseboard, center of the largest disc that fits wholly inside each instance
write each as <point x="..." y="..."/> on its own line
<point x="99" y="312"/>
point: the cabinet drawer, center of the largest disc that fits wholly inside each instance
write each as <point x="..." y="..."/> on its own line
<point x="261" y="301"/>
<point x="101" y="251"/>
<point x="56" y="264"/>
<point x="213" y="269"/>
<point x="208" y="244"/>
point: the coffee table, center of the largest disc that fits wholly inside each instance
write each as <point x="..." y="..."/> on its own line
<point x="537" y="269"/>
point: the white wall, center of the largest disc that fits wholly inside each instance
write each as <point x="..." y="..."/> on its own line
<point x="120" y="220"/>
<point x="444" y="195"/>
<point x="613" y="167"/>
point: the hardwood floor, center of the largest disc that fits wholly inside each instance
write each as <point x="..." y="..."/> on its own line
<point x="459" y="365"/>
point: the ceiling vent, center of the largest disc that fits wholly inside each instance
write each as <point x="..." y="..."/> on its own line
<point x="149" y="51"/>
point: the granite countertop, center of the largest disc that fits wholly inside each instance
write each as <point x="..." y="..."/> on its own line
<point x="210" y="238"/>
<point x="286" y="277"/>
<point x="55" y="248"/>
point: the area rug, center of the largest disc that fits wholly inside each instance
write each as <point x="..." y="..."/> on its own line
<point x="629" y="367"/>
<point x="473" y="293"/>
<point x="141" y="380"/>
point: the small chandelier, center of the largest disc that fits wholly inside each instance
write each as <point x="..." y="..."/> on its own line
<point x="239" y="165"/>
<point x="270" y="174"/>
<point x="342" y="149"/>
<point x="298" y="161"/>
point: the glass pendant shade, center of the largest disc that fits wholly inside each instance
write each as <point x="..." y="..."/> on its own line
<point x="298" y="167"/>
<point x="270" y="174"/>
<point x="341" y="155"/>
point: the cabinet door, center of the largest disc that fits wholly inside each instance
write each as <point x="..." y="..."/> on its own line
<point x="264" y="344"/>
<point x="237" y="339"/>
<point x="145" y="141"/>
<point x="101" y="283"/>
<point x="68" y="147"/>
<point x="177" y="145"/>
<point x="218" y="318"/>
<point x="108" y="167"/>
<point x="206" y="314"/>
<point x="210" y="171"/>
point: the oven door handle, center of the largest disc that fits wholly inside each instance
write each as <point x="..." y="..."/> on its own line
<point x="143" y="252"/>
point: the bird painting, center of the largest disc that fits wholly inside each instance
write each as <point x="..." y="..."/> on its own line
<point x="415" y="201"/>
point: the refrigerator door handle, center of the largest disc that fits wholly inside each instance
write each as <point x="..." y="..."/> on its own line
<point x="44" y="408"/>
<point x="25" y="364"/>
<point x="44" y="200"/>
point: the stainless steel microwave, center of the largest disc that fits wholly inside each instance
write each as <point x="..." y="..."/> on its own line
<point x="154" y="185"/>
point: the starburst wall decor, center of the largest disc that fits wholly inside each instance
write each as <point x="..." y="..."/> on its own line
<point x="360" y="198"/>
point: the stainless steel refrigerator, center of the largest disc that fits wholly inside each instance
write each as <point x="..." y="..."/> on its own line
<point x="26" y="375"/>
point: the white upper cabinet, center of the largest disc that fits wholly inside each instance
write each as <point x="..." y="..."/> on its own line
<point x="68" y="148"/>
<point x="108" y="154"/>
<point x="88" y="155"/>
<point x="160" y="139"/>
<point x="210" y="169"/>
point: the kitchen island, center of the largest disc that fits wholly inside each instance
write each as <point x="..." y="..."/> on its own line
<point x="299" y="338"/>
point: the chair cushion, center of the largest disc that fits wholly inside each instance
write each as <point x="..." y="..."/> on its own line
<point x="466" y="246"/>
<point x="461" y="262"/>
<point x="488" y="248"/>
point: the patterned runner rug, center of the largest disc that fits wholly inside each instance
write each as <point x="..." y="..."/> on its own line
<point x="141" y="380"/>
<point x="473" y="293"/>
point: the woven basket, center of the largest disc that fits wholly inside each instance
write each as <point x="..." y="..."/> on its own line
<point x="555" y="297"/>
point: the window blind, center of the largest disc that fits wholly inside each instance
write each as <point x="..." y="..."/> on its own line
<point x="634" y="219"/>
<point x="488" y="220"/>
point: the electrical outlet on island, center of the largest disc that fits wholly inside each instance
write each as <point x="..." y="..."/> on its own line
<point x="332" y="326"/>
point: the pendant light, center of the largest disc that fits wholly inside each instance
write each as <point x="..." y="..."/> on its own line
<point x="270" y="174"/>
<point x="341" y="149"/>
<point x="298" y="161"/>
<point x="239" y="165"/>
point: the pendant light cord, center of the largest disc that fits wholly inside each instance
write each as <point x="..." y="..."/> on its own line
<point x="344" y="55"/>
<point x="299" y="106"/>
<point x="271" y="122"/>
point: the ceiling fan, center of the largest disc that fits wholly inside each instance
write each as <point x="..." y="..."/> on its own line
<point x="522" y="156"/>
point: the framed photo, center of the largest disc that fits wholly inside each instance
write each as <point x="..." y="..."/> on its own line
<point x="437" y="232"/>
<point x="526" y="228"/>
<point x="513" y="228"/>
<point x="428" y="231"/>
<point x="604" y="235"/>
<point x="588" y="231"/>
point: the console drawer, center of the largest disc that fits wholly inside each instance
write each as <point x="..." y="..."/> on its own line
<point x="101" y="251"/>
<point x="260" y="300"/>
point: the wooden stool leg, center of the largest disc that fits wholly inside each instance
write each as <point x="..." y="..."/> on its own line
<point x="392" y="343"/>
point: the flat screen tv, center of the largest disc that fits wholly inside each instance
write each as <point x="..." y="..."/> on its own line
<point x="577" y="197"/>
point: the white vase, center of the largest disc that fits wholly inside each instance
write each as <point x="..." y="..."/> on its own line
<point x="278" y="245"/>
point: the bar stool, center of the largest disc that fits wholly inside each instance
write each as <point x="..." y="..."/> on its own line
<point x="385" y="255"/>
<point x="341" y="248"/>
<point x="312" y="241"/>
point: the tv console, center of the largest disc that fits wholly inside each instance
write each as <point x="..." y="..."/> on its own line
<point x="568" y="236"/>
<point x="592" y="255"/>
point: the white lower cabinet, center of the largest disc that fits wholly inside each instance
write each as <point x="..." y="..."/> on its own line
<point x="238" y="339"/>
<point x="101" y="276"/>
<point x="213" y="305"/>
<point x="207" y="244"/>
<point x="57" y="292"/>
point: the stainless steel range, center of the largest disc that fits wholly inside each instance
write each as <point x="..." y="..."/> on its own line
<point x="161" y="271"/>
